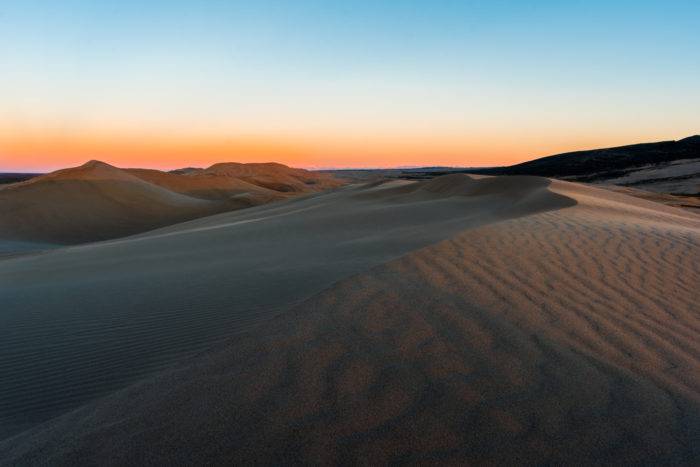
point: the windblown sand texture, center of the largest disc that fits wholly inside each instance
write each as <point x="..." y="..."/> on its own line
<point x="458" y="320"/>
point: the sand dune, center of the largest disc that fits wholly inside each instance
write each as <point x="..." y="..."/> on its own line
<point x="110" y="312"/>
<point x="97" y="201"/>
<point x="211" y="187"/>
<point x="499" y="320"/>
<point x="275" y="176"/>
<point x="90" y="202"/>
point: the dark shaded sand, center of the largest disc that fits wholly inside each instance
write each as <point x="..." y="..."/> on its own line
<point x="558" y="325"/>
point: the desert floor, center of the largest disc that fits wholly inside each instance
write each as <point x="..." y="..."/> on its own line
<point x="455" y="320"/>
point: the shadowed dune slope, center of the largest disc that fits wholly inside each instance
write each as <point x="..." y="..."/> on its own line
<point x="82" y="321"/>
<point x="552" y="336"/>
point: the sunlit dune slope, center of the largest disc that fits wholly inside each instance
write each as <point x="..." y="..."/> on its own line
<point x="209" y="186"/>
<point x="91" y="202"/>
<point x="97" y="201"/>
<point x="275" y="176"/>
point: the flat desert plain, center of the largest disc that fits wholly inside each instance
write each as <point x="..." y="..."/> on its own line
<point x="458" y="320"/>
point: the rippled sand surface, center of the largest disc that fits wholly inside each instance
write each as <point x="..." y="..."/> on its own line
<point x="458" y="320"/>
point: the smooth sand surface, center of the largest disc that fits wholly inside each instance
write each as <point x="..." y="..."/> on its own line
<point x="501" y="320"/>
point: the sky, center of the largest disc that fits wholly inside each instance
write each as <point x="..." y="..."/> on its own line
<point x="362" y="83"/>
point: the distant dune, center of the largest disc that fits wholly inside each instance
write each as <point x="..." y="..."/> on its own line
<point x="275" y="176"/>
<point x="97" y="201"/>
<point x="210" y="187"/>
<point x="458" y="320"/>
<point x="223" y="180"/>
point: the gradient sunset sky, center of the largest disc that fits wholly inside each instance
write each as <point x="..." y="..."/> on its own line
<point x="360" y="83"/>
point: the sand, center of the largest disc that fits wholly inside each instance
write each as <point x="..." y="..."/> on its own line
<point x="97" y="201"/>
<point x="459" y="320"/>
<point x="691" y="203"/>
<point x="275" y="176"/>
<point x="260" y="182"/>
<point x="210" y="187"/>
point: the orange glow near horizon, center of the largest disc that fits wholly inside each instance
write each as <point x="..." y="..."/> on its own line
<point x="43" y="150"/>
<point x="53" y="150"/>
<point x="325" y="85"/>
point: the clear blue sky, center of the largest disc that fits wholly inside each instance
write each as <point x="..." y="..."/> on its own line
<point x="330" y="83"/>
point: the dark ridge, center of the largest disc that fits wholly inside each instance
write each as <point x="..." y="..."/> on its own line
<point x="186" y="170"/>
<point x="7" y="178"/>
<point x="695" y="139"/>
<point x="607" y="160"/>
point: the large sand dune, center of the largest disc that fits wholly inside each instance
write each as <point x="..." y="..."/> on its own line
<point x="90" y="202"/>
<point x="211" y="186"/>
<point x="226" y="180"/>
<point x="506" y="319"/>
<point x="97" y="201"/>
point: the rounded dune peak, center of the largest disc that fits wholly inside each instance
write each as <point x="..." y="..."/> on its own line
<point x="91" y="170"/>
<point x="94" y="163"/>
<point x="94" y="201"/>
<point x="449" y="183"/>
